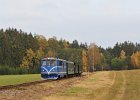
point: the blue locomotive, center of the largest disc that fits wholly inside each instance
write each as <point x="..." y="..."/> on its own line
<point x="54" y="68"/>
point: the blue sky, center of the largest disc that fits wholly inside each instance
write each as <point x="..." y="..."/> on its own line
<point x="103" y="22"/>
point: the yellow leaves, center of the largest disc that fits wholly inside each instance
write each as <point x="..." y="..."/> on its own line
<point x="40" y="53"/>
<point x="84" y="60"/>
<point x="42" y="41"/>
<point x="27" y="59"/>
<point x="135" y="59"/>
<point x="65" y="44"/>
<point x="32" y="57"/>
<point x="122" y="55"/>
<point x="94" y="55"/>
<point x="51" y="53"/>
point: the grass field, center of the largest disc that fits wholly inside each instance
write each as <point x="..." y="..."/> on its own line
<point x="18" y="79"/>
<point x="106" y="85"/>
<point x="103" y="85"/>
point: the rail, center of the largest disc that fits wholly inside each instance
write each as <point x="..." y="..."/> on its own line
<point x="6" y="87"/>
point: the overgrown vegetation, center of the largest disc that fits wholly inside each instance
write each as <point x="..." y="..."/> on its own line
<point x="6" y="70"/>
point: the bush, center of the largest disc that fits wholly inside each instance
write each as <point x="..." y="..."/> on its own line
<point x="116" y="64"/>
<point x="6" y="70"/>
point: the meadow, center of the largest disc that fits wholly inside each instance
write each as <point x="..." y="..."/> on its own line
<point x="18" y="79"/>
<point x="105" y="85"/>
<point x="100" y="85"/>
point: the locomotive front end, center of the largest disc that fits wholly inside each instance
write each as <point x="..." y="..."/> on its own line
<point x="49" y="68"/>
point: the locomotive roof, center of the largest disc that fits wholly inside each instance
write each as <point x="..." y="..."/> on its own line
<point x="51" y="58"/>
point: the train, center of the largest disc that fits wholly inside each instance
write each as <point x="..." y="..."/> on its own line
<point x="55" y="68"/>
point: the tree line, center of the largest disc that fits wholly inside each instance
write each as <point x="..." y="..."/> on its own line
<point x="20" y="53"/>
<point x="122" y="56"/>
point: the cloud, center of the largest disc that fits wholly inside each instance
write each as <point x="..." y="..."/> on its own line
<point x="85" y="20"/>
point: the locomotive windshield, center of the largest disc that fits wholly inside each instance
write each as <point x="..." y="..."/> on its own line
<point x="51" y="62"/>
<point x="43" y="62"/>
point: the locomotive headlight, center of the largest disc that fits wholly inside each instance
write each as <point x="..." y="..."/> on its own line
<point x="43" y="70"/>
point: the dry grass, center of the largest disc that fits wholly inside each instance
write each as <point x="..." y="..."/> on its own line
<point x="132" y="91"/>
<point x="107" y="85"/>
<point x="86" y="89"/>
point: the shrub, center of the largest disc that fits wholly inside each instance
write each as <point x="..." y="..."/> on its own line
<point x="6" y="70"/>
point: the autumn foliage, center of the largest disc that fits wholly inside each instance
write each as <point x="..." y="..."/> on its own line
<point x="135" y="59"/>
<point x="84" y="60"/>
<point x="23" y="50"/>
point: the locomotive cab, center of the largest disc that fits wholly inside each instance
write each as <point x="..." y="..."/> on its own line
<point x="49" y="69"/>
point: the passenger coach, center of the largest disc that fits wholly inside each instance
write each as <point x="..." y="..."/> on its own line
<point x="54" y="68"/>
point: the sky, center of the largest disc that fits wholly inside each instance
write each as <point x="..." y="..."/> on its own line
<point x="103" y="22"/>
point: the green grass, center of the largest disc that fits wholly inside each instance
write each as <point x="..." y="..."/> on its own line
<point x="18" y="79"/>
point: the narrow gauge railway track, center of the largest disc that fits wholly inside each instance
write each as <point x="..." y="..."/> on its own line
<point x="6" y="87"/>
<point x="23" y="84"/>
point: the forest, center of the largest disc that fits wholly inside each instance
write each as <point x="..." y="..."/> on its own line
<point x="20" y="53"/>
